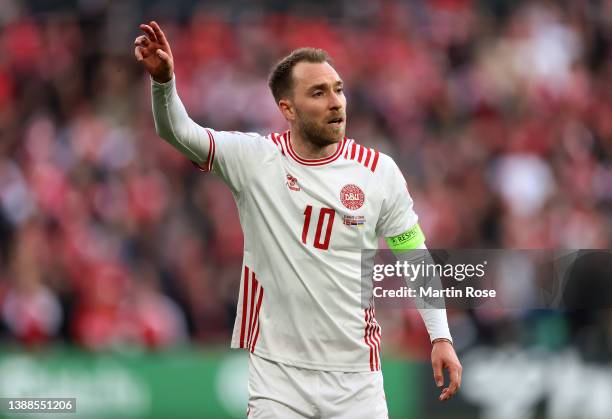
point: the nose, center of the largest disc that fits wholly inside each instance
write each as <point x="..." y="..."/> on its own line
<point x="335" y="102"/>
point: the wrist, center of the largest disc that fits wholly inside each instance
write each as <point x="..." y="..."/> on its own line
<point x="438" y="340"/>
<point x="162" y="80"/>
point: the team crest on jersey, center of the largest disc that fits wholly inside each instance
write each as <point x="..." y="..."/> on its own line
<point x="352" y="196"/>
<point x="292" y="183"/>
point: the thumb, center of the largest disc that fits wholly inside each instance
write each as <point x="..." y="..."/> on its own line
<point x="162" y="55"/>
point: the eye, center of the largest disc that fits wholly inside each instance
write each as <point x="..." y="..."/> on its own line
<point x="318" y="93"/>
<point x="339" y="89"/>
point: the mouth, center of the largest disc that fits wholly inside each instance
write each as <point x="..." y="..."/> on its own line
<point x="336" y="121"/>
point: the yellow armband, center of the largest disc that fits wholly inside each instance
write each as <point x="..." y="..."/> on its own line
<point x="410" y="239"/>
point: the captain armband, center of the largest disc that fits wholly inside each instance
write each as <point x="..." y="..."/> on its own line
<point x="410" y="239"/>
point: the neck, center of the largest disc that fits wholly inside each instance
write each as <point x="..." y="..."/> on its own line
<point x="306" y="149"/>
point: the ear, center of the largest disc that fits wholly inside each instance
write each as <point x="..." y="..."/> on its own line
<point x="287" y="109"/>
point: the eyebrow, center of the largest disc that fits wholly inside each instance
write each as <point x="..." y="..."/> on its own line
<point x="323" y="86"/>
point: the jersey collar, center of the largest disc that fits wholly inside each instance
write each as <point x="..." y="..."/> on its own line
<point x="286" y="137"/>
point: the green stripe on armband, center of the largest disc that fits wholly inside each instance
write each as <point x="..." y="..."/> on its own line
<point x="410" y="239"/>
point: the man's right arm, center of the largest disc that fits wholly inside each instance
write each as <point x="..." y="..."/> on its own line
<point x="233" y="156"/>
<point x="174" y="125"/>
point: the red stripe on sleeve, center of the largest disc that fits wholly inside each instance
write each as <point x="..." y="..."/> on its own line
<point x="211" y="151"/>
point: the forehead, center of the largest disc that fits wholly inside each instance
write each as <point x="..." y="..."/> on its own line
<point x="306" y="75"/>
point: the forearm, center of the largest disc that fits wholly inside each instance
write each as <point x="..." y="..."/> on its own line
<point x="436" y="323"/>
<point x="174" y="125"/>
<point x="433" y="311"/>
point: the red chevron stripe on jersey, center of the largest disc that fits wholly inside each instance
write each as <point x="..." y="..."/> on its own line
<point x="252" y="309"/>
<point x="251" y="304"/>
<point x="377" y="338"/>
<point x="368" y="157"/>
<point x="361" y="148"/>
<point x="256" y="321"/>
<point x="368" y="340"/>
<point x="245" y="296"/>
<point x="279" y="144"/>
<point x="372" y="337"/>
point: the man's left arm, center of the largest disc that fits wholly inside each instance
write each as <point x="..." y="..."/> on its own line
<point x="443" y="354"/>
<point x="399" y="225"/>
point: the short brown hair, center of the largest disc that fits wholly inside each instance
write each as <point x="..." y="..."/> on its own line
<point x="281" y="77"/>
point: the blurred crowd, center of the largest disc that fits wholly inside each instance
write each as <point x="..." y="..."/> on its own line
<point x="498" y="113"/>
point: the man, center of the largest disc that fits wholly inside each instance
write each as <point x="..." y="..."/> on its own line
<point x="308" y="200"/>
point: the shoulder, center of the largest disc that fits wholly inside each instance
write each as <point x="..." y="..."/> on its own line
<point x="248" y="141"/>
<point x="388" y="165"/>
<point x="235" y="135"/>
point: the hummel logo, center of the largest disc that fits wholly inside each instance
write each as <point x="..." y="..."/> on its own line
<point x="292" y="183"/>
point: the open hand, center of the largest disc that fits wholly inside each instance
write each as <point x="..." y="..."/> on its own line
<point x="153" y="51"/>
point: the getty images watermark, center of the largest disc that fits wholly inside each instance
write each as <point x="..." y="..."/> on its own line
<point x="417" y="271"/>
<point x="487" y="278"/>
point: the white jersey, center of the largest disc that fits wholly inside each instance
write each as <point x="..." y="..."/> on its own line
<point x="304" y="223"/>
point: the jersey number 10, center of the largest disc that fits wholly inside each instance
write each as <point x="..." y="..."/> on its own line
<point x="326" y="215"/>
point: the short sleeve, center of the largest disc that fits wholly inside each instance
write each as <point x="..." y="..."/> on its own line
<point x="397" y="213"/>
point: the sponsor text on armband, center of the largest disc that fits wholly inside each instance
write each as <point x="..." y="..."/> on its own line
<point x="410" y="239"/>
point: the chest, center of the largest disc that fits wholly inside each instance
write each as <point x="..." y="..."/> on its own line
<point x="331" y="207"/>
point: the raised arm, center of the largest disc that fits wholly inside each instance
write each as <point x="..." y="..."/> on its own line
<point x="172" y="122"/>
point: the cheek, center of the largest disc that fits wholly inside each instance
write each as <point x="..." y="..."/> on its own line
<point x="312" y="115"/>
<point x="312" y="107"/>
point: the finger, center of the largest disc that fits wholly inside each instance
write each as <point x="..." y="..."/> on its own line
<point x="149" y="32"/>
<point x="138" y="54"/>
<point x="161" y="37"/>
<point x="142" y="52"/>
<point x="142" y="41"/>
<point x="454" y="381"/>
<point x="163" y="55"/>
<point x="445" y="395"/>
<point x="437" y="372"/>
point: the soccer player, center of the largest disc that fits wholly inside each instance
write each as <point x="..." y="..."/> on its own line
<point x="309" y="199"/>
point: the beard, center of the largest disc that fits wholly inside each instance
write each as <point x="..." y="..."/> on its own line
<point x="319" y="134"/>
